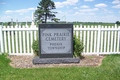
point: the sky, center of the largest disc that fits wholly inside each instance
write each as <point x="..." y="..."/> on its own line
<point x="68" y="10"/>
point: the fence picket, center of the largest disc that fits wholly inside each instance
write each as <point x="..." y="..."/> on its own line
<point x="31" y="32"/>
<point x="91" y="47"/>
<point x="88" y="38"/>
<point x="1" y="40"/>
<point x="24" y="46"/>
<point x="27" y="40"/>
<point x="35" y="34"/>
<point x="112" y="40"/>
<point x="5" y="40"/>
<point x="12" y="34"/>
<point x="108" y="40"/>
<point x="115" y="39"/>
<point x="20" y="40"/>
<point x="118" y="43"/>
<point x="84" y="39"/>
<point x="102" y="40"/>
<point x="81" y="33"/>
<point x="9" y="46"/>
<point x="96" y="40"/>
<point x="77" y="31"/>
<point x="105" y="40"/>
<point x="16" y="39"/>
<point x="74" y="29"/>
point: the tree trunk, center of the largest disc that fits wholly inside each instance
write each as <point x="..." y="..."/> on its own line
<point x="46" y="18"/>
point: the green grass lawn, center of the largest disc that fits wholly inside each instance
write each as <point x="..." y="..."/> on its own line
<point x="109" y="70"/>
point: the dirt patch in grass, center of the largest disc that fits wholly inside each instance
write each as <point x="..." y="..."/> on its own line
<point x="26" y="62"/>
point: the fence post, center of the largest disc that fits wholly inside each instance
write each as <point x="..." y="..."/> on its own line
<point x="98" y="42"/>
<point x="32" y="24"/>
<point x="119" y="37"/>
<point x="1" y="39"/>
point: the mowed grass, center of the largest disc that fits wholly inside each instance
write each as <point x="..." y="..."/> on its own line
<point x="109" y="70"/>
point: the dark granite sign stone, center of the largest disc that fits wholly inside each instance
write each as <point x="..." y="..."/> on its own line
<point x="55" y="44"/>
<point x="56" y="40"/>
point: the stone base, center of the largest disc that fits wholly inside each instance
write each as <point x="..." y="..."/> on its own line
<point x="37" y="60"/>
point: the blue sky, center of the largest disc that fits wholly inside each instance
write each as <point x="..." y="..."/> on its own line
<point x="69" y="10"/>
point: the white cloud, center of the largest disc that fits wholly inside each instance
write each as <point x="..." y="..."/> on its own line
<point x="110" y="12"/>
<point x="106" y="11"/>
<point x="110" y="17"/>
<point x="89" y="0"/>
<point x="65" y="3"/>
<point x="21" y="14"/>
<point x="89" y="10"/>
<point x="5" y="18"/>
<point x="59" y="11"/>
<point x="26" y="18"/>
<point x="75" y="8"/>
<point x="2" y="3"/>
<point x="59" y="5"/>
<point x="78" y="13"/>
<point x="116" y="2"/>
<point x="101" y="5"/>
<point x="70" y="10"/>
<point x="84" y="6"/>
<point x="117" y="6"/>
<point x="119" y="12"/>
<point x="20" y="11"/>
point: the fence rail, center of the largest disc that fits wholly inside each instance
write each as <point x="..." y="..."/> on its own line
<point x="17" y="40"/>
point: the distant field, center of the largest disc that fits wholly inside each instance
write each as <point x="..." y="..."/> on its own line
<point x="78" y="23"/>
<point x="103" y="24"/>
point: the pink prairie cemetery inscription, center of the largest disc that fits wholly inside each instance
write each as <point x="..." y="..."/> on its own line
<point x="56" y="41"/>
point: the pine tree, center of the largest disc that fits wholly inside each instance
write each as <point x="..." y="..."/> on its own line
<point x="44" y="12"/>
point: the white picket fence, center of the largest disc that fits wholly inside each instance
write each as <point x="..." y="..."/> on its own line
<point x="99" y="39"/>
<point x="17" y="40"/>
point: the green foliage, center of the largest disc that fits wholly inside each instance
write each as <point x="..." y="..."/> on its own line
<point x="5" y="54"/>
<point x="35" y="47"/>
<point x="78" y="47"/>
<point x="9" y="23"/>
<point x="56" y="20"/>
<point x="44" y="12"/>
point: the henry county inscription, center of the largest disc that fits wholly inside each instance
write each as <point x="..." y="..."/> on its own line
<point x="56" y="40"/>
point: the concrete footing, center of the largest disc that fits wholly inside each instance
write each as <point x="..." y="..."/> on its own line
<point x="37" y="60"/>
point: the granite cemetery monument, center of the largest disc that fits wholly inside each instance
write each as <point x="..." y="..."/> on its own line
<point x="55" y="44"/>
